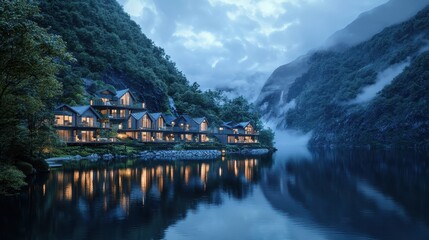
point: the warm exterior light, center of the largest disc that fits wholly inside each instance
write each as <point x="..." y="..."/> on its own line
<point x="122" y="136"/>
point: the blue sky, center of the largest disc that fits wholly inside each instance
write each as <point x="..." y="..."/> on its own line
<point x="236" y="44"/>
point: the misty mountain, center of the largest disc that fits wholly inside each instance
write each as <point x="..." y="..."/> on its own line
<point x="276" y="88"/>
<point x="374" y="92"/>
<point x="374" y="21"/>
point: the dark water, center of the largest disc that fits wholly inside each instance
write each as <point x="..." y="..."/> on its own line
<point x="296" y="194"/>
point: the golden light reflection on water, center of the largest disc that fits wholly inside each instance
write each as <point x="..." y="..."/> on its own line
<point x="187" y="174"/>
<point x="204" y="172"/>
<point x="114" y="187"/>
<point x="68" y="193"/>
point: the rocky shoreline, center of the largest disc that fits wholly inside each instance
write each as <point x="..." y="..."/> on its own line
<point x="159" y="155"/>
<point x="254" y="151"/>
<point x="179" y="155"/>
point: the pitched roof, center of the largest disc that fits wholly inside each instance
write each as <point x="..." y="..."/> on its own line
<point x="242" y="124"/>
<point x="120" y="93"/>
<point x="187" y="118"/>
<point x="169" y="118"/>
<point x="199" y="120"/>
<point x="58" y="111"/>
<point x="82" y="109"/>
<point x="156" y="115"/>
<point x="229" y="124"/>
<point x="139" y="115"/>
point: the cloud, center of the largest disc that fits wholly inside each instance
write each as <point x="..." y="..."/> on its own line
<point x="216" y="61"/>
<point x="243" y="59"/>
<point x="135" y="7"/>
<point x="384" y="78"/>
<point x="225" y="43"/>
<point x="194" y="40"/>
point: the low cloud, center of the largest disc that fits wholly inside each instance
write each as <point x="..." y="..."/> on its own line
<point x="224" y="43"/>
<point x="384" y="78"/>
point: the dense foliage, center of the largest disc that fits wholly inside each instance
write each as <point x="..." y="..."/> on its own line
<point x="30" y="60"/>
<point x="11" y="179"/>
<point x="399" y="114"/>
<point x="111" y="48"/>
<point x="266" y="137"/>
<point x="37" y="73"/>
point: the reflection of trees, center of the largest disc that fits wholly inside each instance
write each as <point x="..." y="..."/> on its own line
<point x="135" y="202"/>
<point x="371" y="193"/>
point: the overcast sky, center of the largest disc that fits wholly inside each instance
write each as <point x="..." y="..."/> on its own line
<point x="237" y="44"/>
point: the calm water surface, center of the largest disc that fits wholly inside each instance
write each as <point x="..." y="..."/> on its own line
<point x="296" y="194"/>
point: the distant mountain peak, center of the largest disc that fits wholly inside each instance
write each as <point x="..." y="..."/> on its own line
<point x="374" y="21"/>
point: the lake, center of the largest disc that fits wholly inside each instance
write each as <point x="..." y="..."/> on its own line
<point x="295" y="194"/>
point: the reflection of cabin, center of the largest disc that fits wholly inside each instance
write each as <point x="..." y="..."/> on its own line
<point x="237" y="133"/>
<point x="77" y="124"/>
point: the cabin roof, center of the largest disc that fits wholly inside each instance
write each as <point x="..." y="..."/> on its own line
<point x="82" y="109"/>
<point x="242" y="124"/>
<point x="58" y="111"/>
<point x="199" y="120"/>
<point x="232" y="124"/>
<point x="187" y="118"/>
<point x="156" y="115"/>
<point x="139" y="115"/>
<point x="229" y="124"/>
<point x="169" y="118"/>
<point x="120" y="93"/>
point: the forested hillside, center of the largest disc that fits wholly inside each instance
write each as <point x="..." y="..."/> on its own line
<point x="110" y="47"/>
<point x="374" y="93"/>
<point x="55" y="51"/>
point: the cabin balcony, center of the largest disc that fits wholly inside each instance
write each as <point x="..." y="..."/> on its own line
<point x="63" y="124"/>
<point x="89" y="124"/>
<point x="100" y="103"/>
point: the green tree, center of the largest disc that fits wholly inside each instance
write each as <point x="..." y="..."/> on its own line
<point x="266" y="137"/>
<point x="240" y="110"/>
<point x="30" y="60"/>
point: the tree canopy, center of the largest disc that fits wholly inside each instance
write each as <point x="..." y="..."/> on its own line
<point x="30" y="59"/>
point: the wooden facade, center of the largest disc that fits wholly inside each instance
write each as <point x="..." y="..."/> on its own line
<point x="120" y="112"/>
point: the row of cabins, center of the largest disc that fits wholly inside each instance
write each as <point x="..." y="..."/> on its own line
<point x="121" y="113"/>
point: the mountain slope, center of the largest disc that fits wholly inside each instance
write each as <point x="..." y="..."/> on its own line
<point x="375" y="92"/>
<point x="110" y="47"/>
<point x="271" y="99"/>
<point x="374" y="21"/>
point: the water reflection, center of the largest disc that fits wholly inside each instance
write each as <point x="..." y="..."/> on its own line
<point x="317" y="194"/>
<point x="139" y="201"/>
<point x="357" y="194"/>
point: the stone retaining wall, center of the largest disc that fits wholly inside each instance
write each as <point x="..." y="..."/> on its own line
<point x="179" y="154"/>
<point x="255" y="152"/>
